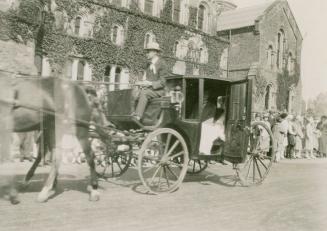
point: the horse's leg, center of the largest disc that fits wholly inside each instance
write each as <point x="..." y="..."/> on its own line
<point x="48" y="188"/>
<point x="36" y="163"/>
<point x="83" y="137"/>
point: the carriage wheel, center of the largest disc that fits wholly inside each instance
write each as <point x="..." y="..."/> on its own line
<point x="163" y="161"/>
<point x="260" y="155"/>
<point x="109" y="162"/>
<point x="196" y="166"/>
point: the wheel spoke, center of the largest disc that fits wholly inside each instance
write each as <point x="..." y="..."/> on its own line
<point x="159" y="181"/>
<point x="167" y="179"/>
<point x="248" y="172"/>
<point x="154" y="166"/>
<point x="112" y="167"/>
<point x="253" y="170"/>
<point x="263" y="164"/>
<point x="173" y="147"/>
<point x="154" y="175"/>
<point x="176" y="155"/>
<point x="167" y="142"/>
<point x="176" y="164"/>
<point x="194" y="166"/>
<point x="119" y="166"/>
<point x="171" y="171"/>
<point x="256" y="163"/>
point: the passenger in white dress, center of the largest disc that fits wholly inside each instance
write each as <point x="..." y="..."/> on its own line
<point x="213" y="129"/>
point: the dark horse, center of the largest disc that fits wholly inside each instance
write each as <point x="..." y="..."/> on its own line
<point x="52" y="105"/>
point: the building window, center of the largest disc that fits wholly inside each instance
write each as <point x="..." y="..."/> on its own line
<point x="267" y="97"/>
<point x="80" y="70"/>
<point x="77" y="29"/>
<point x="117" y="78"/>
<point x="175" y="49"/>
<point x="148" y="7"/>
<point x="203" y="55"/>
<point x="224" y="63"/>
<point x="149" y="38"/>
<point x="290" y="64"/>
<point x="270" y="56"/>
<point x="280" y="48"/>
<point x="69" y="69"/>
<point x="38" y="64"/>
<point x="116" y="2"/>
<point x="107" y="73"/>
<point x="134" y="4"/>
<point x="176" y="10"/>
<point x="117" y="35"/>
<point x="201" y="13"/>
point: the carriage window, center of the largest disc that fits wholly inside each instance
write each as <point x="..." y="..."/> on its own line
<point x="237" y="102"/>
<point x="192" y="99"/>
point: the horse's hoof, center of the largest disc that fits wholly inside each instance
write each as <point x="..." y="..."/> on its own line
<point x="14" y="200"/>
<point x="94" y="195"/>
<point x="25" y="185"/>
<point x="44" y="195"/>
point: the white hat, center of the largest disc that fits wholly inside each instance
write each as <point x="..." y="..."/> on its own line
<point x="153" y="46"/>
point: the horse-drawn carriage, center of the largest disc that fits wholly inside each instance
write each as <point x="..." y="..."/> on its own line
<point x="166" y="141"/>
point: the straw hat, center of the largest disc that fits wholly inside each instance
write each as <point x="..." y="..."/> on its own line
<point x="154" y="46"/>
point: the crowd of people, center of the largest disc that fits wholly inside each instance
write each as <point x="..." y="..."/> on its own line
<point x="295" y="136"/>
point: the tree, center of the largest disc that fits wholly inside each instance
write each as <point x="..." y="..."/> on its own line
<point x="320" y="104"/>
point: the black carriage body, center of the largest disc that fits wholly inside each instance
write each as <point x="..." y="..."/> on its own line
<point x="161" y="113"/>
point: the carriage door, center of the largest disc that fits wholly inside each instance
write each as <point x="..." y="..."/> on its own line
<point x="239" y="116"/>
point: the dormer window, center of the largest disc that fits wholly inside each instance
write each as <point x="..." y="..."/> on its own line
<point x="148" y="7"/>
<point x="117" y="35"/>
<point x="280" y="48"/>
<point x="203" y="17"/>
<point x="176" y="10"/>
<point x="201" y="12"/>
<point x="270" y="56"/>
<point x="117" y="2"/>
<point x="80" y="70"/>
<point x="77" y="27"/>
<point x="149" y="38"/>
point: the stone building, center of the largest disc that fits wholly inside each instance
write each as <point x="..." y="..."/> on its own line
<point x="265" y="38"/>
<point x="105" y="41"/>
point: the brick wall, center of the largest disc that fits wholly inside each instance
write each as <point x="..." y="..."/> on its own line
<point x="249" y="46"/>
<point x="278" y="17"/>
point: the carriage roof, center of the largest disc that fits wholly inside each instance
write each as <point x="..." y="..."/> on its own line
<point x="226" y="80"/>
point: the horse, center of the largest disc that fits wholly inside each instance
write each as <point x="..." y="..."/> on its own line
<point x="50" y="104"/>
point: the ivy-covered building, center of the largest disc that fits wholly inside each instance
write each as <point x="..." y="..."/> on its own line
<point x="104" y="40"/>
<point x="266" y="39"/>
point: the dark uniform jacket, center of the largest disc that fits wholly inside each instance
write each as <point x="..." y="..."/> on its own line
<point x="158" y="79"/>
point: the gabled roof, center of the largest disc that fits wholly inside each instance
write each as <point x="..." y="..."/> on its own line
<point x="242" y="17"/>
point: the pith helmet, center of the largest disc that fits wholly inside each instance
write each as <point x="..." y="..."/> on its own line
<point x="153" y="46"/>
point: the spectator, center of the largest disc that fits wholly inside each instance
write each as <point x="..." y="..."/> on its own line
<point x="264" y="135"/>
<point x="291" y="133"/>
<point x="298" y="137"/>
<point x="284" y="131"/>
<point x="309" y="136"/>
<point x="279" y="132"/>
<point x="23" y="144"/>
<point x="322" y="126"/>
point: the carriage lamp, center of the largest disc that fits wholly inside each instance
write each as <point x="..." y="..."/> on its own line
<point x="177" y="98"/>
